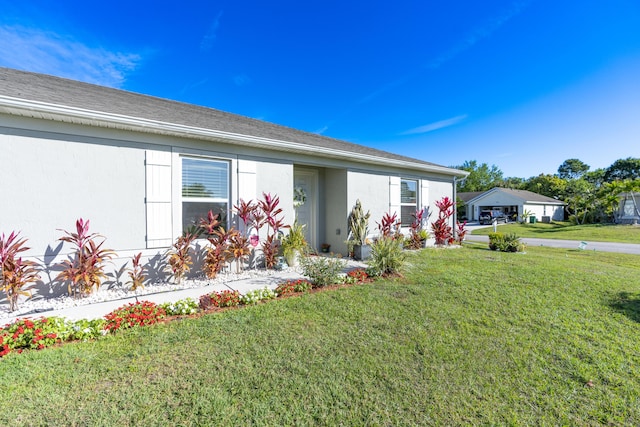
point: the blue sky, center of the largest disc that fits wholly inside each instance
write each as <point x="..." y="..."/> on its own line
<point x="523" y="85"/>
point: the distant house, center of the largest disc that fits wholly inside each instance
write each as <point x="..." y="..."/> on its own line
<point x="629" y="212"/>
<point x="512" y="203"/>
<point x="143" y="169"/>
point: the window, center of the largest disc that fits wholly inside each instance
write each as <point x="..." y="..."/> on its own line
<point x="408" y="201"/>
<point x="205" y="187"/>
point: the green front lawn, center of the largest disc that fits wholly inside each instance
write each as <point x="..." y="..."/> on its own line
<point x="566" y="231"/>
<point x="467" y="337"/>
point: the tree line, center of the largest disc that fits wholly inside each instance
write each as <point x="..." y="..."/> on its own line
<point x="591" y="196"/>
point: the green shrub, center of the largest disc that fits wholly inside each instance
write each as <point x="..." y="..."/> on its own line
<point x="495" y="239"/>
<point x="257" y="295"/>
<point x="181" y="307"/>
<point x="323" y="271"/>
<point x="387" y="257"/>
<point x="43" y="332"/>
<point x="505" y="242"/>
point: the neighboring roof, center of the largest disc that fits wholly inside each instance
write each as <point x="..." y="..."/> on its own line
<point x="524" y="195"/>
<point x="465" y="196"/>
<point x="48" y="97"/>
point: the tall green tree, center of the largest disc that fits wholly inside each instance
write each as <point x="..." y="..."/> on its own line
<point x="513" y="182"/>
<point x="547" y="185"/>
<point x="595" y="177"/>
<point x="580" y="197"/>
<point x="481" y="177"/>
<point x="622" y="169"/>
<point x="572" y="169"/>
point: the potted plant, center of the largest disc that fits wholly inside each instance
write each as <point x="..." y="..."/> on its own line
<point x="325" y="247"/>
<point x="358" y="230"/>
<point x="293" y="244"/>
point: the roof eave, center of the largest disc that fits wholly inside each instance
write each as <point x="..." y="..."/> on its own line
<point x="36" y="109"/>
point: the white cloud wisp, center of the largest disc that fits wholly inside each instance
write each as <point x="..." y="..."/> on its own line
<point x="50" y="53"/>
<point x="436" y="125"/>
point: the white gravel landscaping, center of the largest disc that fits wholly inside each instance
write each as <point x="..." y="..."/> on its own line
<point x="39" y="305"/>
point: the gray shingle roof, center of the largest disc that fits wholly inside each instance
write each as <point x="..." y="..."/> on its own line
<point x="465" y="196"/>
<point x="69" y="93"/>
<point x="524" y="195"/>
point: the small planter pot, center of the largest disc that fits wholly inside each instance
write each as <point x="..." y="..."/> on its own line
<point x="361" y="252"/>
<point x="292" y="258"/>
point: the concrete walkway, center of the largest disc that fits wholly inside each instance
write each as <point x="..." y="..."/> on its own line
<point x="100" y="309"/>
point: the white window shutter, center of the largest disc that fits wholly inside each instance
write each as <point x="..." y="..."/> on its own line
<point x="247" y="181"/>
<point x="158" y="199"/>
<point x="394" y="195"/>
<point x="424" y="193"/>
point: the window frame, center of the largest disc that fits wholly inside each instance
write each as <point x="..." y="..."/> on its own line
<point x="226" y="201"/>
<point x="414" y="205"/>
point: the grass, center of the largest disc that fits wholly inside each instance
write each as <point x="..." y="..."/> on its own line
<point x="467" y="337"/>
<point x="567" y="231"/>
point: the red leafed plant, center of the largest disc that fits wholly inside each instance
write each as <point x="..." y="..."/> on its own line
<point x="86" y="267"/>
<point x="239" y="248"/>
<point x="15" y="273"/>
<point x="274" y="221"/>
<point x="137" y="273"/>
<point x="251" y="215"/>
<point x="417" y="234"/>
<point x="217" y="252"/>
<point x="389" y="226"/>
<point x="255" y="215"/>
<point x="270" y="249"/>
<point x="180" y="260"/>
<point x="442" y="231"/>
<point x="461" y="232"/>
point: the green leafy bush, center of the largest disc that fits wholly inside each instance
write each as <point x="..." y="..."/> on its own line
<point x="257" y="295"/>
<point x="505" y="242"/>
<point x="387" y="256"/>
<point x="495" y="239"/>
<point x="81" y="330"/>
<point x="323" y="271"/>
<point x="143" y="313"/>
<point x="43" y="332"/>
<point x="181" y="307"/>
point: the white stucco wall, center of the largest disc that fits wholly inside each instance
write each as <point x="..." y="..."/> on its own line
<point x="51" y="183"/>
<point x="556" y="213"/>
<point x="277" y="178"/>
<point x="373" y="192"/>
<point x="438" y="190"/>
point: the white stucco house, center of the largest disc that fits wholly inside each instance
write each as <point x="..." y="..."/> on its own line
<point x="123" y="160"/>
<point x="512" y="202"/>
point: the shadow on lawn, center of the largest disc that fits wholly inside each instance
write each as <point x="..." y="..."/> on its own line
<point x="628" y="304"/>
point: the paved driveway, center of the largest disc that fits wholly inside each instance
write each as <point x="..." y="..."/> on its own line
<point x="627" y="248"/>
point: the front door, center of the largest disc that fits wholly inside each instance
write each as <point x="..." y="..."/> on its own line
<point x="305" y="182"/>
